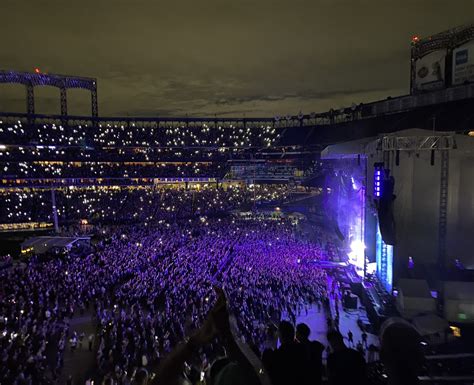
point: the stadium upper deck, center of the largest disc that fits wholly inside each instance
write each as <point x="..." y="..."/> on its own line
<point x="446" y="105"/>
<point x="54" y="147"/>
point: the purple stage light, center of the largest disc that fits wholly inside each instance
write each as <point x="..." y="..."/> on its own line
<point x="378" y="176"/>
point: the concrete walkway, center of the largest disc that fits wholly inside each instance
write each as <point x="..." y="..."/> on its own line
<point x="316" y="320"/>
<point x="81" y="363"/>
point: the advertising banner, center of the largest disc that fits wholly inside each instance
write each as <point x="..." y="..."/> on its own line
<point x="430" y="71"/>
<point x="463" y="64"/>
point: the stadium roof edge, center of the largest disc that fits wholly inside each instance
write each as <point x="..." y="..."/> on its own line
<point x="378" y="107"/>
<point x="139" y="118"/>
<point x="447" y="32"/>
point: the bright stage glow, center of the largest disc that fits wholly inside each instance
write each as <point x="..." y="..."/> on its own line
<point x="357" y="255"/>
<point x="358" y="247"/>
<point x="371" y="267"/>
<point x="384" y="259"/>
<point x="354" y="184"/>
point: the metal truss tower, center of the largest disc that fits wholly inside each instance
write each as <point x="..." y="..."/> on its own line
<point x="63" y="82"/>
<point x="443" y="209"/>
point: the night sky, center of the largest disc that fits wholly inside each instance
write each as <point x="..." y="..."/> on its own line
<point x="258" y="58"/>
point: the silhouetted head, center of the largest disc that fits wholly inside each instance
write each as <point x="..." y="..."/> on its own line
<point x="229" y="373"/>
<point x="401" y="351"/>
<point x="216" y="368"/>
<point x="141" y="377"/>
<point x="336" y="340"/>
<point x="302" y="332"/>
<point x="108" y="381"/>
<point x="286" y="332"/>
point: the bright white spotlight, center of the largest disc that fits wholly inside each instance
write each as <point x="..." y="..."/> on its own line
<point x="354" y="184"/>
<point x="357" y="254"/>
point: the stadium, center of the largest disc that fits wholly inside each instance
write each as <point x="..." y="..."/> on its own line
<point x="221" y="250"/>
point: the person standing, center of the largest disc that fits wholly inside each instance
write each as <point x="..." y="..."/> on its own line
<point x="373" y="351"/>
<point x="364" y="338"/>
<point x="350" y="338"/>
<point x="401" y="352"/>
<point x="81" y="339"/>
<point x="314" y="352"/>
<point x="289" y="363"/>
<point x="91" y="341"/>
<point x="73" y="342"/>
<point x="344" y="365"/>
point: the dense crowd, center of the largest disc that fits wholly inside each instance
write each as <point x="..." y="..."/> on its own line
<point x="149" y="286"/>
<point x="128" y="135"/>
<point x="130" y="204"/>
<point x="149" y="283"/>
<point x="264" y="170"/>
<point x="111" y="170"/>
<point x="32" y="152"/>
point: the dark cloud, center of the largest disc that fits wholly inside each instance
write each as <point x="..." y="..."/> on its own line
<point x="302" y="95"/>
<point x="264" y="57"/>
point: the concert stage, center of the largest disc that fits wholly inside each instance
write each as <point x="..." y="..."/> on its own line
<point x="429" y="211"/>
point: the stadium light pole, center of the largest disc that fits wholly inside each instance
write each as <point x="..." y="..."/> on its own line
<point x="55" y="210"/>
